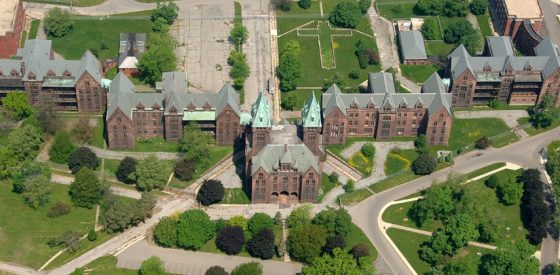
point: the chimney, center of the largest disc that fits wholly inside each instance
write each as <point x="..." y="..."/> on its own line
<point x="285" y="147"/>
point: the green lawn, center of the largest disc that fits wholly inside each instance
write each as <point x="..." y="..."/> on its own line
<point x="22" y="39"/>
<point x="85" y="246"/>
<point x="485" y="170"/>
<point x="387" y="9"/>
<point x="153" y="145"/>
<point x="338" y="148"/>
<point x="105" y="30"/>
<point x="409" y="244"/>
<point x="107" y="265"/>
<point x="439" y="48"/>
<point x="25" y="232"/>
<point x="302" y="96"/>
<point x="313" y="75"/>
<point x="399" y="160"/>
<point x="531" y="130"/>
<point x="356" y="236"/>
<point x="362" y="163"/>
<point x="75" y="3"/>
<point x="418" y="73"/>
<point x="326" y="187"/>
<point x="465" y="132"/>
<point x="354" y="197"/>
<point x="484" y="24"/>
<point x="34" y="28"/>
<point x="398" y="214"/>
<point x="235" y="196"/>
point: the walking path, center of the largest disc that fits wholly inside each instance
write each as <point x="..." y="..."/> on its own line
<point x="110" y="154"/>
<point x="510" y="117"/>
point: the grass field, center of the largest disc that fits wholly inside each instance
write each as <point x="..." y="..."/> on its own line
<point x="398" y="160"/>
<point x="75" y="3"/>
<point x="484" y="24"/>
<point x="356" y="236"/>
<point x="344" y="46"/>
<point x="439" y="48"/>
<point x="465" y="132"/>
<point x="362" y="163"/>
<point x="354" y="197"/>
<point x="531" y="130"/>
<point x="100" y="31"/>
<point x="302" y="96"/>
<point x="25" y="232"/>
<point x="326" y="187"/>
<point x="390" y="9"/>
<point x="34" y="28"/>
<point x="235" y="196"/>
<point x="418" y="73"/>
<point x="338" y="148"/>
<point x="107" y="265"/>
<point x="153" y="145"/>
<point x="85" y="246"/>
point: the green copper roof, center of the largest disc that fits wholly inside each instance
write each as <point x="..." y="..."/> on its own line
<point x="245" y="118"/>
<point x="199" y="116"/>
<point x="260" y="112"/>
<point x="311" y="112"/>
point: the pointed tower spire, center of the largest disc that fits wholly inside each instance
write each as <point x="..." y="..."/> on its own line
<point x="260" y="112"/>
<point x="311" y="112"/>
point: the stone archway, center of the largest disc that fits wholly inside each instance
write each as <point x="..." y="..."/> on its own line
<point x="294" y="197"/>
<point x="284" y="197"/>
<point x="274" y="197"/>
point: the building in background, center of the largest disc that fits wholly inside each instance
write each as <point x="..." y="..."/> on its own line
<point x="413" y="50"/>
<point x="131" y="46"/>
<point x="12" y="17"/>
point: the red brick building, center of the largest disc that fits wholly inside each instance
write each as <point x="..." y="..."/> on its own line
<point x="384" y="114"/>
<point x="69" y="85"/>
<point x="518" y="80"/>
<point x="509" y="15"/>
<point x="12" y="19"/>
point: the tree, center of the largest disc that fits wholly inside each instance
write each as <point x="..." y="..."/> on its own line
<point x="335" y="222"/>
<point x="471" y="43"/>
<point x="158" y="58"/>
<point x="165" y="10"/>
<point x="262" y="244"/>
<point x="57" y="22"/>
<point x="368" y="150"/>
<point x="306" y="241"/>
<point x="24" y="142"/>
<point x="85" y="190"/>
<point x="366" y="55"/>
<point x="429" y="7"/>
<point x="493" y="181"/>
<point x="194" y="229"/>
<point x="83" y="131"/>
<point x="488" y="231"/>
<point x="304" y="4"/>
<point x="121" y="214"/>
<point x="457" y="231"/>
<point x="26" y="170"/>
<point x="240" y="70"/>
<point x="69" y="240"/>
<point x="92" y="235"/>
<point x="82" y="157"/>
<point x="421" y="144"/>
<point x="194" y="144"/>
<point x="165" y="232"/>
<point x="289" y="101"/>
<point x="126" y="167"/>
<point x="211" y="191"/>
<point x="364" y="5"/>
<point x="216" y="270"/>
<point x="37" y="190"/>
<point x="535" y="213"/>
<point x="152" y="266"/>
<point x="59" y="209"/>
<point x="483" y="143"/>
<point x="252" y="268"/>
<point x="231" y="240"/>
<point x="62" y="148"/>
<point x="299" y="216"/>
<point x="239" y="34"/>
<point x="346" y="14"/>
<point x="424" y="164"/>
<point x="337" y="79"/>
<point x="17" y="105"/>
<point x="289" y="69"/>
<point x="184" y="170"/>
<point x="349" y="186"/>
<point x="333" y="177"/>
<point x="360" y="250"/>
<point x="283" y="5"/>
<point x="150" y="174"/>
<point x="457" y="30"/>
<point x="510" y="192"/>
<point x="338" y="263"/>
<point x="47" y="117"/>
<point x="437" y="203"/>
<point x="239" y="221"/>
<point x="453" y="8"/>
<point x="544" y="113"/>
<point x="333" y="242"/>
<point x="478" y="7"/>
<point x="430" y="29"/>
<point x="512" y="258"/>
<point x="278" y="218"/>
<point x="258" y="222"/>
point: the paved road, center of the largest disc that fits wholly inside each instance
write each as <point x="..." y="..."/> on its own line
<point x="107" y="8"/>
<point x="178" y="261"/>
<point x="552" y="27"/>
<point x="367" y="214"/>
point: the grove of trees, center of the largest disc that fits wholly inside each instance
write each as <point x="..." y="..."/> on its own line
<point x="463" y="32"/>
<point x="535" y="213"/>
<point x="57" y="22"/>
<point x="346" y="15"/>
<point x="158" y="58"/>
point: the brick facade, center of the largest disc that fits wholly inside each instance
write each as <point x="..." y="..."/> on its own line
<point x="9" y="40"/>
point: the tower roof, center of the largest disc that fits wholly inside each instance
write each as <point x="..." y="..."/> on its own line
<point x="260" y="112"/>
<point x="311" y="112"/>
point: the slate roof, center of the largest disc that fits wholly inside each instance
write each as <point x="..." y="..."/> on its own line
<point x="412" y="45"/>
<point x="499" y="45"/>
<point x="131" y="45"/>
<point x="381" y="82"/>
<point x="174" y="94"/>
<point x="35" y="58"/>
<point x="546" y="61"/>
<point x="434" y="96"/>
<point x="298" y="155"/>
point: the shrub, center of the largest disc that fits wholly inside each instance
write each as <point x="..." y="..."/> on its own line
<point x="278" y="218"/>
<point x="306" y="241"/>
<point x="238" y="221"/>
<point x="350" y="186"/>
<point x="364" y="5"/>
<point x="62" y="148"/>
<point x="283" y="5"/>
<point x="483" y="143"/>
<point x="85" y="190"/>
<point x="212" y="191"/>
<point x="194" y="229"/>
<point x="258" y="222"/>
<point x="488" y="232"/>
<point x="424" y="164"/>
<point x="216" y="270"/>
<point x="126" y="167"/>
<point x="37" y="191"/>
<point x="262" y="244"/>
<point x="478" y="7"/>
<point x="152" y="266"/>
<point x="368" y="150"/>
<point x="252" y="268"/>
<point x="69" y="240"/>
<point x="510" y="192"/>
<point x="26" y="170"/>
<point x="354" y="74"/>
<point x="304" y="4"/>
<point x="231" y="240"/>
<point x="165" y="232"/>
<point x="346" y="14"/>
<point x="336" y="241"/>
<point x="57" y="22"/>
<point x="220" y="224"/>
<point x="92" y="235"/>
<point x="59" y="209"/>
<point x="360" y="250"/>
<point x="493" y="181"/>
<point x="429" y="29"/>
<point x="184" y="170"/>
<point x="82" y="157"/>
<point x="333" y="177"/>
<point x="168" y="11"/>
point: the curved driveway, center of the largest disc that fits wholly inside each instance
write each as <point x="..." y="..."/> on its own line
<point x="367" y="214"/>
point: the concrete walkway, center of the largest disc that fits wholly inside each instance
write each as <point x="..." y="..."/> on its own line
<point x="178" y="261"/>
<point x="110" y="154"/>
<point x="510" y="117"/>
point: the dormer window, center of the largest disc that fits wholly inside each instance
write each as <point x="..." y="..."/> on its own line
<point x="51" y="73"/>
<point x="487" y="68"/>
<point x="14" y="73"/>
<point x="66" y="73"/>
<point x="191" y="107"/>
<point x="528" y="68"/>
<point x="354" y="105"/>
<point x="403" y="106"/>
<point x="155" y="106"/>
<point x="31" y="76"/>
<point x="173" y="110"/>
<point x="1" y="73"/>
<point x="140" y="107"/>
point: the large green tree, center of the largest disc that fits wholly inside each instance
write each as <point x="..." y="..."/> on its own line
<point x="17" y="104"/>
<point x="24" y="142"/>
<point x="37" y="191"/>
<point x="364" y="5"/>
<point x="545" y="112"/>
<point x="424" y="164"/>
<point x="158" y="58"/>
<point x="289" y="67"/>
<point x="258" y="222"/>
<point x="262" y="244"/>
<point x="57" y="22"/>
<point x="335" y="222"/>
<point x="437" y="203"/>
<point x="168" y="11"/>
<point x="454" y="8"/>
<point x="195" y="143"/>
<point x="152" y="266"/>
<point x="429" y="7"/>
<point x="430" y="28"/>
<point x="306" y="241"/>
<point x="26" y="170"/>
<point x="150" y="174"/>
<point x="126" y="167"/>
<point x="346" y="14"/>
<point x="299" y="216"/>
<point x="194" y="229"/>
<point x="239" y="35"/>
<point x="86" y="190"/>
<point x="478" y="7"/>
<point x="339" y="263"/>
<point x="512" y="258"/>
<point x="62" y="148"/>
<point x="82" y="157"/>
